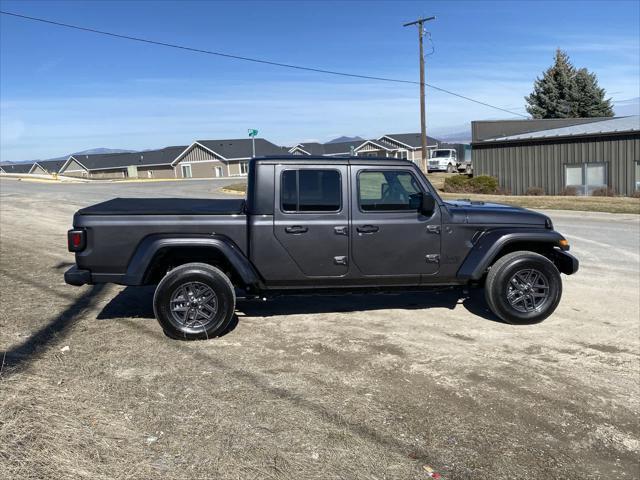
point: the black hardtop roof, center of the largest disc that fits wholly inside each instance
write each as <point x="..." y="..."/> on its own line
<point x="338" y="160"/>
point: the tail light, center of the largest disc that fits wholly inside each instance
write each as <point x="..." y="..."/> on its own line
<point x="76" y="240"/>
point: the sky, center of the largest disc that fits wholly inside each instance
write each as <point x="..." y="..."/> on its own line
<point x="63" y="91"/>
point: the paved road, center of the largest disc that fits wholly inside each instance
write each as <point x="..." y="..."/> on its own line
<point x="358" y="386"/>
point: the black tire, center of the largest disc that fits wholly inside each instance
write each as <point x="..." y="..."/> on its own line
<point x="523" y="288"/>
<point x="206" y="293"/>
<point x="450" y="169"/>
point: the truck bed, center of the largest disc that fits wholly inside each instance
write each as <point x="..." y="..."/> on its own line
<point x="166" y="206"/>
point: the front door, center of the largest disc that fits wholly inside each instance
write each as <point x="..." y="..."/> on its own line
<point x="312" y="216"/>
<point x="389" y="236"/>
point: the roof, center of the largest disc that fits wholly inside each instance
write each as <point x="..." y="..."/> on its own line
<point x="613" y="125"/>
<point x="51" y="166"/>
<point x="17" y="167"/>
<point x="104" y="161"/>
<point x="413" y="140"/>
<point x="335" y="148"/>
<point x="241" y="147"/>
<point x="341" y="160"/>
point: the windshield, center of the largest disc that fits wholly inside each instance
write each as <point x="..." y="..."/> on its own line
<point x="441" y="153"/>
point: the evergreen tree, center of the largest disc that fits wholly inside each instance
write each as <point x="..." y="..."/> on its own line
<point x="590" y="99"/>
<point x="564" y="92"/>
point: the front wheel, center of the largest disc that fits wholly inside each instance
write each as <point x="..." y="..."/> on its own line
<point x="523" y="288"/>
<point x="194" y="301"/>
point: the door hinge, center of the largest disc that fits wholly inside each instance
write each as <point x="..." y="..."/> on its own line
<point x="433" y="228"/>
<point x="432" y="258"/>
<point x="341" y="260"/>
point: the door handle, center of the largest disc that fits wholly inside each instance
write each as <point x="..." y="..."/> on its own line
<point x="341" y="230"/>
<point x="296" y="229"/>
<point x="368" y="229"/>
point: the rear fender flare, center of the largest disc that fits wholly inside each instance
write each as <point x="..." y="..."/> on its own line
<point x="490" y="243"/>
<point x="147" y="249"/>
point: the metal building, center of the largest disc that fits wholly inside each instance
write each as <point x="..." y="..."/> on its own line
<point x="560" y="155"/>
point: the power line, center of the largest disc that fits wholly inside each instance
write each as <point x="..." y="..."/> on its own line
<point x="255" y="60"/>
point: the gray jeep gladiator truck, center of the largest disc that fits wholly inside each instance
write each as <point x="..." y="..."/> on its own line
<point x="318" y="224"/>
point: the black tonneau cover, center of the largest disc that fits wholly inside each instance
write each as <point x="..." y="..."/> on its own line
<point x="166" y="206"/>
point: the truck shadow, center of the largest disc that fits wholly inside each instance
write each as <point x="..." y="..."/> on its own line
<point x="137" y="302"/>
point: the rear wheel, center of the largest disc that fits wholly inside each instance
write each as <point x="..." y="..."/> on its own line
<point x="194" y="301"/>
<point x="523" y="288"/>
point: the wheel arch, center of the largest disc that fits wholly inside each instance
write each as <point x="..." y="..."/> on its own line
<point x="497" y="243"/>
<point x="156" y="254"/>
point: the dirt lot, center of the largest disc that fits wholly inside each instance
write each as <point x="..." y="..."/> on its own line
<point x="353" y="387"/>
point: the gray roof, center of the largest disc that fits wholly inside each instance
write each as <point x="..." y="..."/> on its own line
<point x="412" y="139"/>
<point x="334" y="148"/>
<point x="51" y="166"/>
<point x="17" y="167"/>
<point x="241" y="147"/>
<point x="103" y="161"/>
<point x="612" y="125"/>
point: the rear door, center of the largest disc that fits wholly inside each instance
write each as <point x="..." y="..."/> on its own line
<point x="311" y="217"/>
<point x="389" y="236"/>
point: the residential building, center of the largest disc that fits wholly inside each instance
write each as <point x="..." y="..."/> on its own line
<point x="145" y="164"/>
<point x="560" y="155"/>
<point x="221" y="158"/>
<point x="47" y="167"/>
<point x="16" y="168"/>
<point x="396" y="145"/>
<point x="334" y="149"/>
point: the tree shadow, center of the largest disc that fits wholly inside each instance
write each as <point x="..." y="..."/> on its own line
<point x="23" y="354"/>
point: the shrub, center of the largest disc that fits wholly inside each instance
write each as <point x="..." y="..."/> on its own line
<point x="636" y="194"/>
<point x="535" y="191"/>
<point x="462" y="184"/>
<point x="569" y="192"/>
<point x="457" y="184"/>
<point x="604" y="192"/>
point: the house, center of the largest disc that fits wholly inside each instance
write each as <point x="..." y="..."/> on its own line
<point x="560" y="156"/>
<point x="221" y="158"/>
<point x="333" y="149"/>
<point x="16" y="168"/>
<point x="145" y="164"/>
<point x="396" y="145"/>
<point x="47" y="167"/>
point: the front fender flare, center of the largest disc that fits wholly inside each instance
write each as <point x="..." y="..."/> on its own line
<point x="490" y="243"/>
<point x="151" y="245"/>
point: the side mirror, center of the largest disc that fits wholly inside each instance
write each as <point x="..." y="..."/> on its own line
<point x="428" y="204"/>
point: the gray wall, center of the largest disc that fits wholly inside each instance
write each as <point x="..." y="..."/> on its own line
<point x="521" y="165"/>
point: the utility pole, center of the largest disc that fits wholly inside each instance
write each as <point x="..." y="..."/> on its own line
<point x="423" y="112"/>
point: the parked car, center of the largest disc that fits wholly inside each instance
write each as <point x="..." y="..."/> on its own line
<point x="316" y="225"/>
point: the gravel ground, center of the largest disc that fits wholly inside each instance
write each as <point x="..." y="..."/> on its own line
<point x="359" y="386"/>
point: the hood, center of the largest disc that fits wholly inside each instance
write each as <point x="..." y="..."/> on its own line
<point x="467" y="211"/>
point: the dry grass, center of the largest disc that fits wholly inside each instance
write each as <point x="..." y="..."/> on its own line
<point x="587" y="204"/>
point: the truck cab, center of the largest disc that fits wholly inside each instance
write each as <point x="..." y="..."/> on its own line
<point x="443" y="160"/>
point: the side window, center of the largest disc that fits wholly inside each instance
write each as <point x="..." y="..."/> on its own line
<point x="387" y="190"/>
<point x="310" y="191"/>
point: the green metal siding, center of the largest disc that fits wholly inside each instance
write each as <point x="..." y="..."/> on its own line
<point x="522" y="165"/>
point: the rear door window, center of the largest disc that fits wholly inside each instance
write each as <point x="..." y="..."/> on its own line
<point x="308" y="190"/>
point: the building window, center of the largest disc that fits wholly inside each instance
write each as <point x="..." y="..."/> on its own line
<point x="637" y="175"/>
<point x="586" y="177"/>
<point x="186" y="171"/>
<point x="310" y="191"/>
<point x="244" y="168"/>
<point x="389" y="190"/>
<point x="217" y="171"/>
<point x="402" y="154"/>
<point x="149" y="173"/>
